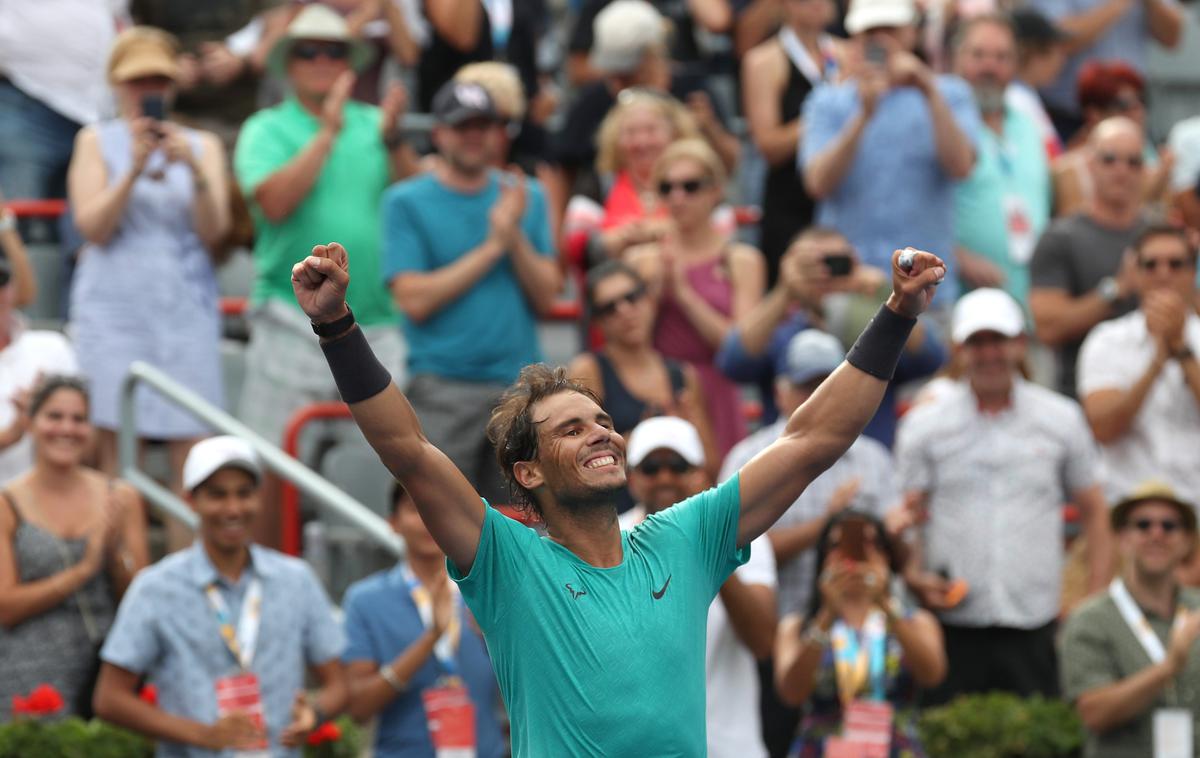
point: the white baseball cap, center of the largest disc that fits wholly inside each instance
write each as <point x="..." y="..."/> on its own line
<point x="665" y="432"/>
<point x="209" y="456"/>
<point x="986" y="310"/>
<point x="622" y="33"/>
<point x="872" y="14"/>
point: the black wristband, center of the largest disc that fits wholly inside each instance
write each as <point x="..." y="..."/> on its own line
<point x="877" y="350"/>
<point x="334" y="328"/>
<point x="357" y="372"/>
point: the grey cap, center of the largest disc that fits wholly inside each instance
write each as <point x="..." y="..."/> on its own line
<point x="810" y="354"/>
<point x="622" y="33"/>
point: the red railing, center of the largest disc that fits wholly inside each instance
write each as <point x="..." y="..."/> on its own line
<point x="37" y="208"/>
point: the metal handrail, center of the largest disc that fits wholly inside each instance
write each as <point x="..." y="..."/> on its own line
<point x="325" y="495"/>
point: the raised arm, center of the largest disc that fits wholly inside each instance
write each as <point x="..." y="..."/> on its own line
<point x="448" y="504"/>
<point x="824" y="426"/>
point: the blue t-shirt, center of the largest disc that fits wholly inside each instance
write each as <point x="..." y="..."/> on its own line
<point x="895" y="193"/>
<point x="605" y="661"/>
<point x="1016" y="166"/>
<point x="381" y="622"/>
<point x="489" y="333"/>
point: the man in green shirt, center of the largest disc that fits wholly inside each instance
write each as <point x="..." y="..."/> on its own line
<point x="1130" y="656"/>
<point x="597" y="635"/>
<point x="313" y="168"/>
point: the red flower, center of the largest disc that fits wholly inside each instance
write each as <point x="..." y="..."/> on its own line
<point x="20" y="706"/>
<point x="149" y="694"/>
<point x="43" y="701"/>
<point x="327" y="732"/>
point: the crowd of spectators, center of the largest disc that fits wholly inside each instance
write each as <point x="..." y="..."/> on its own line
<point x="719" y="186"/>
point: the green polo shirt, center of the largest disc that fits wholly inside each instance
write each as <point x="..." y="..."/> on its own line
<point x="1099" y="649"/>
<point x="342" y="206"/>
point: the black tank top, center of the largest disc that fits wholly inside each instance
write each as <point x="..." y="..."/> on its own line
<point x="626" y="409"/>
<point x="787" y="208"/>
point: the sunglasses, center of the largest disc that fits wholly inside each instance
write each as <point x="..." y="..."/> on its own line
<point x="1132" y="161"/>
<point x="603" y="310"/>
<point x="310" y="51"/>
<point x="1153" y="264"/>
<point x="689" y="186"/>
<point x="1169" y="526"/>
<point x="676" y="465"/>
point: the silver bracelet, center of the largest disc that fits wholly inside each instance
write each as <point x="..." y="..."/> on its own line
<point x="390" y="677"/>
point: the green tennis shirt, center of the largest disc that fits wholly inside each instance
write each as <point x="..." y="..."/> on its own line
<point x="342" y="206"/>
<point x="605" y="661"/>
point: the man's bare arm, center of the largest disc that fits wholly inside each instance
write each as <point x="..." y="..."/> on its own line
<point x="824" y="426"/>
<point x="448" y="504"/>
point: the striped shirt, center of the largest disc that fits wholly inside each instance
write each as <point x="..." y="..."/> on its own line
<point x="866" y="459"/>
<point x="995" y="484"/>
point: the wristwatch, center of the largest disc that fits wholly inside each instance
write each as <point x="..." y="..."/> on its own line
<point x="1109" y="290"/>
<point x="1183" y="354"/>
<point x="334" y="328"/>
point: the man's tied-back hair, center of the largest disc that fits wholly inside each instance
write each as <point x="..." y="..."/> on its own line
<point x="513" y="430"/>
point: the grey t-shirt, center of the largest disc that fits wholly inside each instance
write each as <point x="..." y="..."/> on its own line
<point x="1074" y="254"/>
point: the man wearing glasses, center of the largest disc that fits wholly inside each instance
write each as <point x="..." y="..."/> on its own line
<point x="1130" y="659"/>
<point x="1144" y="407"/>
<point x="1080" y="274"/>
<point x="311" y="168"/>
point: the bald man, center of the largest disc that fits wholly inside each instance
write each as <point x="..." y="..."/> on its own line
<point x="1080" y="274"/>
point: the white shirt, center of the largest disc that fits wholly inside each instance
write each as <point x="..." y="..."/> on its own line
<point x="731" y="674"/>
<point x="56" y="51"/>
<point x="1184" y="142"/>
<point x="32" y="352"/>
<point x="995" y="484"/>
<point x="1163" y="442"/>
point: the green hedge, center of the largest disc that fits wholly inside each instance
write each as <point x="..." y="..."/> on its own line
<point x="76" y="738"/>
<point x="1001" y="725"/>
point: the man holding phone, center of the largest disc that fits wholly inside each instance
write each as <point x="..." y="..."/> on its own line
<point x="881" y="151"/>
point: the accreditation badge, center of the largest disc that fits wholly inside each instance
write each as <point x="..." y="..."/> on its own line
<point x="450" y="715"/>
<point x="866" y="731"/>
<point x="1173" y="733"/>
<point x="240" y="693"/>
<point x="1021" y="236"/>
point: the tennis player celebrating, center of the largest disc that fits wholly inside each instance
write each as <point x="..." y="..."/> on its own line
<point x="597" y="635"/>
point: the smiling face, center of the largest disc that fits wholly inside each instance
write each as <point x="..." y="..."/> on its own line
<point x="60" y="429"/>
<point x="662" y="479"/>
<point x="227" y="504"/>
<point x="580" y="460"/>
<point x="1153" y="541"/>
<point x="469" y="147"/>
<point x="644" y="132"/>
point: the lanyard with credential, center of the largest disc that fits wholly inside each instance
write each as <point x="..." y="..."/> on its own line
<point x="446" y="647"/>
<point x="804" y="63"/>
<point x="242" y="641"/>
<point x="1137" y="621"/>
<point x="853" y="665"/>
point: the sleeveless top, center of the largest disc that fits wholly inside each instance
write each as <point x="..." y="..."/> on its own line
<point x="58" y="646"/>
<point x="676" y="337"/>
<point x="786" y="207"/>
<point x="626" y="409"/>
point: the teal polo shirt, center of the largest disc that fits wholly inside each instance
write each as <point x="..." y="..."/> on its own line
<point x="1014" y="164"/>
<point x="605" y="661"/>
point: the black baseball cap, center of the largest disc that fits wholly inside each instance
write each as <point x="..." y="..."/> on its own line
<point x="458" y="102"/>
<point x="1033" y="27"/>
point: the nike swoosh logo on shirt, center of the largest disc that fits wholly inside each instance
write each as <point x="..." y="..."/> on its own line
<point x="658" y="595"/>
